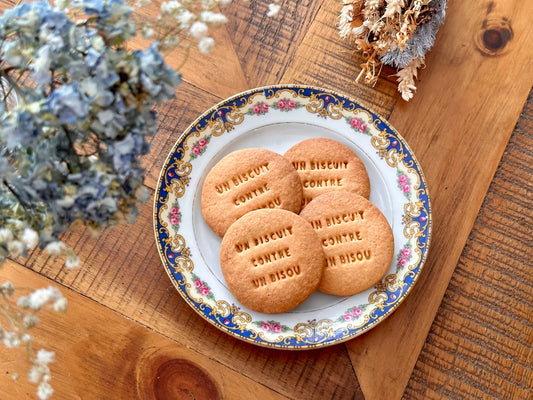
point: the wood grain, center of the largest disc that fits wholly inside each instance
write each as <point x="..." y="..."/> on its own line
<point x="266" y="46"/>
<point x="101" y="355"/>
<point x="466" y="93"/>
<point x="481" y="342"/>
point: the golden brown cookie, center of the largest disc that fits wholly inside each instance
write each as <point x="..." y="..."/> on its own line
<point x="357" y="240"/>
<point x="246" y="180"/>
<point x="271" y="260"/>
<point x="325" y="165"/>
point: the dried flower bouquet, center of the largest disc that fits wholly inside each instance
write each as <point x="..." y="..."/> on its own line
<point x="397" y="33"/>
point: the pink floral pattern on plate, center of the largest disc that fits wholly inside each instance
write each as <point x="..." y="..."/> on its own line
<point x="357" y="124"/>
<point x="353" y="313"/>
<point x="404" y="256"/>
<point x="201" y="286"/>
<point x="175" y="216"/>
<point x="198" y="148"/>
<point x="259" y="108"/>
<point x="404" y="183"/>
<point x="271" y="326"/>
<point x="286" y="105"/>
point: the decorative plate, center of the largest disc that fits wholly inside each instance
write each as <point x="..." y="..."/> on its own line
<point x="277" y="117"/>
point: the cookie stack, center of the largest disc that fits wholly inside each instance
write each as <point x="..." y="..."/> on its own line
<point x="294" y="223"/>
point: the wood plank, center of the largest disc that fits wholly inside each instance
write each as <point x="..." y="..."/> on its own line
<point x="265" y="46"/>
<point x="467" y="93"/>
<point x="481" y="341"/>
<point x="102" y="355"/>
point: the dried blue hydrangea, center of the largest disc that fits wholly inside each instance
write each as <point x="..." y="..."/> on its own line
<point x="70" y="147"/>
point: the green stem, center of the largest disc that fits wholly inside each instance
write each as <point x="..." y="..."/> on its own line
<point x="187" y="53"/>
<point x="7" y="316"/>
<point x="15" y="194"/>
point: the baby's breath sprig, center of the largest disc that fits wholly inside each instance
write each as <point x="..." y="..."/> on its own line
<point x="397" y="33"/>
<point x="187" y="22"/>
<point x="16" y="322"/>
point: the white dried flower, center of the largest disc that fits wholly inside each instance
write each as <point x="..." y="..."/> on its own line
<point x="44" y="390"/>
<point x="45" y="357"/>
<point x="5" y="235"/>
<point x="56" y="248"/>
<point x="142" y="194"/>
<point x="11" y="339"/>
<point x="198" y="30"/>
<point x="348" y="27"/>
<point x="206" y="45"/>
<point x="148" y="32"/>
<point x="273" y="9"/>
<point x="23" y="302"/>
<point x="37" y="372"/>
<point x="30" y="238"/>
<point x="39" y="298"/>
<point x="406" y="78"/>
<point x="170" y="7"/>
<point x="42" y="296"/>
<point x="60" y="305"/>
<point x="185" y="18"/>
<point x="212" y="18"/>
<point x="30" y="320"/>
<point x="394" y="7"/>
<point x="374" y="4"/>
<point x="7" y="289"/>
<point x="209" y="4"/>
<point x="15" y="248"/>
<point x="72" y="261"/>
<point x="25" y="337"/>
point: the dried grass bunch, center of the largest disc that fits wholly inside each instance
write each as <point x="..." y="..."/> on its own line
<point x="397" y="33"/>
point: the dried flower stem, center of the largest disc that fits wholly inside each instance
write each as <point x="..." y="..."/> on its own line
<point x="380" y="27"/>
<point x="406" y="78"/>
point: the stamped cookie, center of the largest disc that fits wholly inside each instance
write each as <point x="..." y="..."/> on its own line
<point x="246" y="180"/>
<point x="357" y="240"/>
<point x="272" y="260"/>
<point x="325" y="165"/>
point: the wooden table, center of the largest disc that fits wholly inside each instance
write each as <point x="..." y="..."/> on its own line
<point x="464" y="332"/>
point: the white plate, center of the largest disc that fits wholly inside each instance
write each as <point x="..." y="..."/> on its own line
<point x="276" y="118"/>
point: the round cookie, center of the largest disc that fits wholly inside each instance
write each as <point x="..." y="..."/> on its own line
<point x="357" y="240"/>
<point x="246" y="180"/>
<point x="272" y="260"/>
<point x="325" y="165"/>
